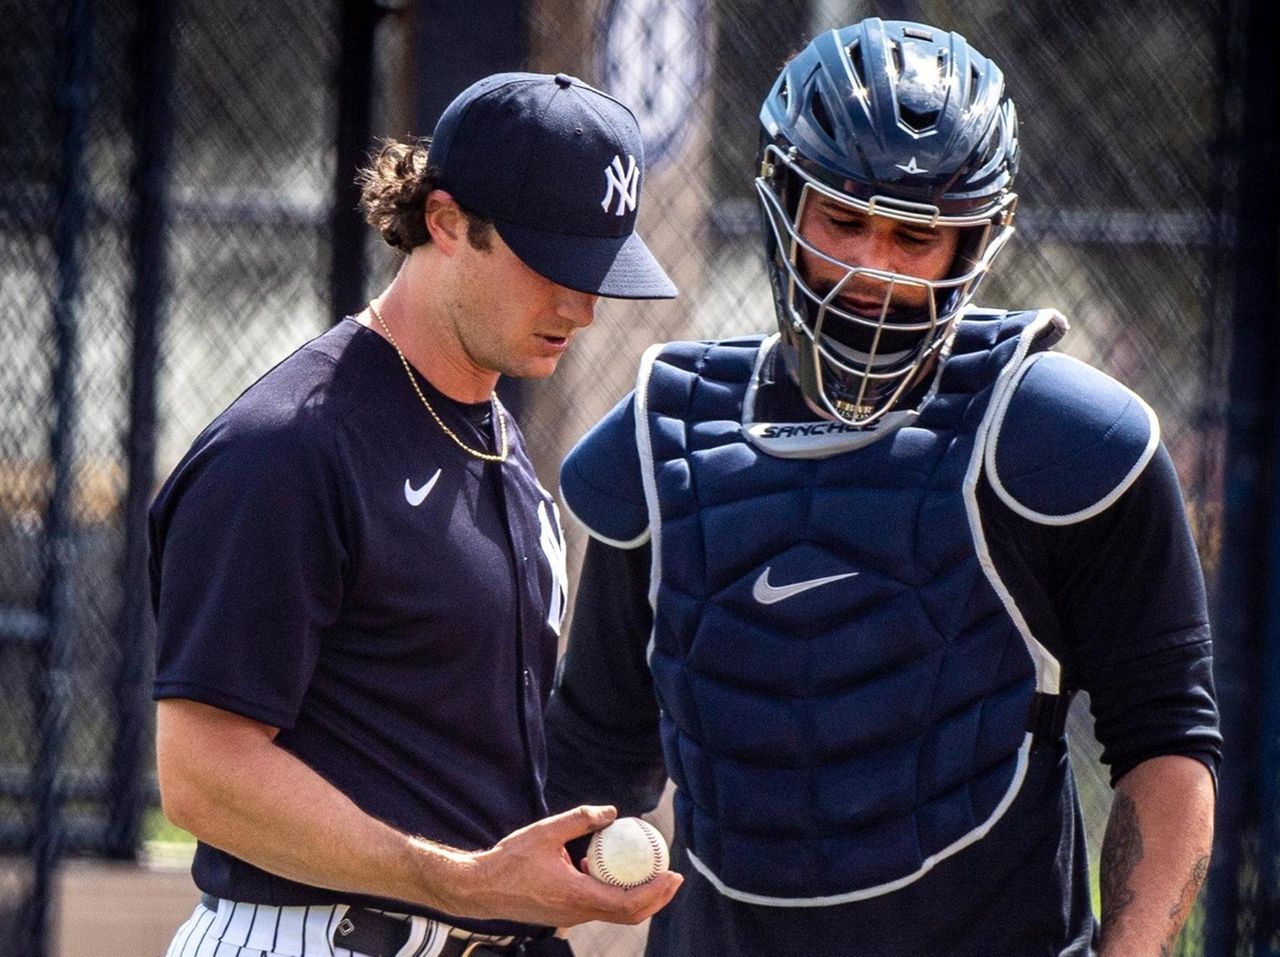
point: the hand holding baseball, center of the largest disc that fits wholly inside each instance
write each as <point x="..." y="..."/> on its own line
<point x="528" y="876"/>
<point x="627" y="853"/>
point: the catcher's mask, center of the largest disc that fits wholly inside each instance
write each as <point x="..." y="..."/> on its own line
<point x="895" y="120"/>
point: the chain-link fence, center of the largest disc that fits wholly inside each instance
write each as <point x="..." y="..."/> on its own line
<point x="61" y="247"/>
<point x="1123" y="110"/>
<point x="240" y="219"/>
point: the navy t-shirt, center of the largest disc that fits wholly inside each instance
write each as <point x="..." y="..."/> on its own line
<point x="1118" y="599"/>
<point x="327" y="561"/>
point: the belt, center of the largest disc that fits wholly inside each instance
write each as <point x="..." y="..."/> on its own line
<point x="376" y="934"/>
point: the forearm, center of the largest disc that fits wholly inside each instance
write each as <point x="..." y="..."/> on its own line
<point x="237" y="790"/>
<point x="1155" y="855"/>
<point x="223" y="778"/>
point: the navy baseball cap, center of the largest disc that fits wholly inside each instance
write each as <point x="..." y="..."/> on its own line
<point x="556" y="164"/>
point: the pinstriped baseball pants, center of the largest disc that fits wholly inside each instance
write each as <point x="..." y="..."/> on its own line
<point x="260" y="930"/>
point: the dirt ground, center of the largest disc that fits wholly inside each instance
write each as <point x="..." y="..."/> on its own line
<point x="120" y="910"/>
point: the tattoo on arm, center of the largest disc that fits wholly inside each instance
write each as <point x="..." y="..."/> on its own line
<point x="1121" y="851"/>
<point x="1182" y="907"/>
<point x="1192" y="888"/>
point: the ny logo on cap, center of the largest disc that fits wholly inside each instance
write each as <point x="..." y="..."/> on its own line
<point x="625" y="182"/>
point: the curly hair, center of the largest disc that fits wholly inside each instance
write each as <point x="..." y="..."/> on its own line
<point x="393" y="194"/>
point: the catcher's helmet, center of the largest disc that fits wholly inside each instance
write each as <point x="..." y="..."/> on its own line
<point x="893" y="119"/>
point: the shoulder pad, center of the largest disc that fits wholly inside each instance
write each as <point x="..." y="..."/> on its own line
<point x="1067" y="441"/>
<point x="601" y="483"/>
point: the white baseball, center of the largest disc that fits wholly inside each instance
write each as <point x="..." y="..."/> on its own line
<point x="627" y="853"/>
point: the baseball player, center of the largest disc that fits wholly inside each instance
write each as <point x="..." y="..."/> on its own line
<point x="359" y="582"/>
<point x="844" y="579"/>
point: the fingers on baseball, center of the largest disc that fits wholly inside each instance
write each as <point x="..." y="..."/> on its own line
<point x="637" y="904"/>
<point x="580" y="821"/>
<point x="665" y="886"/>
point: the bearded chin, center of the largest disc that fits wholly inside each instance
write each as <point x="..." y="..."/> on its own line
<point x="854" y="341"/>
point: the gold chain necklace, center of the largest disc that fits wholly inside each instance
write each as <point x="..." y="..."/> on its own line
<point x="501" y="455"/>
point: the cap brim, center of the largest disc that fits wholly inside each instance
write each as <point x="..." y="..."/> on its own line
<point x="615" y="267"/>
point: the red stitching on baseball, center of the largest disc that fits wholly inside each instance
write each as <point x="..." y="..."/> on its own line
<point x="610" y="878"/>
<point x="651" y="833"/>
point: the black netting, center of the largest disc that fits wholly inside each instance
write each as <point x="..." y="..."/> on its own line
<point x="251" y="166"/>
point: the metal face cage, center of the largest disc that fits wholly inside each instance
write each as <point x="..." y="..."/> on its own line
<point x="859" y="386"/>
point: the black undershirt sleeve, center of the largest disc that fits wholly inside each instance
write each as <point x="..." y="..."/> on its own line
<point x="1130" y="595"/>
<point x="1119" y="600"/>
<point x="602" y="720"/>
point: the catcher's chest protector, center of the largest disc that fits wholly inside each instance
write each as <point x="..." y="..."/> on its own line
<point x="844" y="686"/>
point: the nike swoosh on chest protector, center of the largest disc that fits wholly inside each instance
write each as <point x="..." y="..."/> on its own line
<point x="767" y="594"/>
<point x="416" y="496"/>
